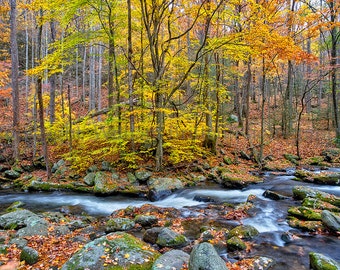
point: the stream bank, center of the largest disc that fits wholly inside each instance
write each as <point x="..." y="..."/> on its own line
<point x="200" y="214"/>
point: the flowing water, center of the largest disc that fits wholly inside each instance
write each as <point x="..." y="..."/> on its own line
<point x="268" y="216"/>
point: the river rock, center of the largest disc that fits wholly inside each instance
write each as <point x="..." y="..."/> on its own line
<point x="305" y="213"/>
<point x="326" y="178"/>
<point x="170" y="238"/>
<point x="231" y="181"/>
<point x="12" y="174"/>
<point x="119" y="224"/>
<point x="321" y="262"/>
<point x="151" y="235"/>
<point x="318" y="204"/>
<point x="113" y="251"/>
<point x="107" y="167"/>
<point x="204" y="256"/>
<point x="34" y="226"/>
<point x="262" y="263"/>
<point x="3" y="249"/>
<point x="331" y="155"/>
<point x="301" y="192"/>
<point x="146" y="220"/>
<point x="16" y="219"/>
<point x="235" y="243"/>
<point x="89" y="179"/>
<point x="29" y="255"/>
<point x="331" y="220"/>
<point x="162" y="187"/>
<point x="19" y="242"/>
<point x="15" y="206"/>
<point x="309" y="225"/>
<point x="171" y="260"/>
<point x="243" y="232"/>
<point x="103" y="183"/>
<point x="142" y="175"/>
<point x="274" y="195"/>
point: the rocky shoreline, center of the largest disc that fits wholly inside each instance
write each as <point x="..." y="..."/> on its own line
<point x="151" y="237"/>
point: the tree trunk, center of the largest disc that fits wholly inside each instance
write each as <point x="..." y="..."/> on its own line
<point x="53" y="79"/>
<point x="15" y="81"/>
<point x="249" y="77"/>
<point x="41" y="106"/>
<point x="160" y="129"/>
<point x="333" y="62"/>
<point x="130" y="66"/>
<point x="92" y="90"/>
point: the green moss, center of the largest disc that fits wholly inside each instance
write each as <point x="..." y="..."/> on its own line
<point x="305" y="213"/>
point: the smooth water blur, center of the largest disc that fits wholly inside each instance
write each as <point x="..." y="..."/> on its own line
<point x="101" y="206"/>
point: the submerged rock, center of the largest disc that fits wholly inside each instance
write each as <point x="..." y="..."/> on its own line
<point x="113" y="251"/>
<point x="204" y="256"/>
<point x="321" y="262"/>
<point x="171" y="260"/>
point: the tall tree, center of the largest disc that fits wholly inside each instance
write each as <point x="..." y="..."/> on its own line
<point x="40" y="100"/>
<point x="15" y="82"/>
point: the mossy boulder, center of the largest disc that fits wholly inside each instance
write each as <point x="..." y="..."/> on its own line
<point x="243" y="232"/>
<point x="318" y="204"/>
<point x="17" y="219"/>
<point x="143" y="175"/>
<point x="119" y="224"/>
<point x="204" y="256"/>
<point x="29" y="255"/>
<point x="235" y="243"/>
<point x="292" y="158"/>
<point x="170" y="238"/>
<point x="305" y="225"/>
<point x="331" y="155"/>
<point x="15" y="206"/>
<point x="321" y="262"/>
<point x="113" y="251"/>
<point x="301" y="192"/>
<point x="305" y="213"/>
<point x="146" y="220"/>
<point x="12" y="174"/>
<point x="324" y="178"/>
<point x="89" y="179"/>
<point x="104" y="184"/>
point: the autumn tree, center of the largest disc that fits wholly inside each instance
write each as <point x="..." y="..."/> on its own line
<point x="15" y="81"/>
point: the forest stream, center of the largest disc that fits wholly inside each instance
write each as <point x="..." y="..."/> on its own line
<point x="267" y="216"/>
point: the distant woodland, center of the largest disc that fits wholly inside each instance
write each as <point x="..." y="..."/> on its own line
<point x="163" y="81"/>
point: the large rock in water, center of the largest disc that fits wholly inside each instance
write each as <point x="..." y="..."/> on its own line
<point x="321" y="262"/>
<point x="331" y="220"/>
<point x="301" y="192"/>
<point x="243" y="232"/>
<point x="171" y="260"/>
<point x="205" y="257"/>
<point x="162" y="187"/>
<point x="113" y="251"/>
